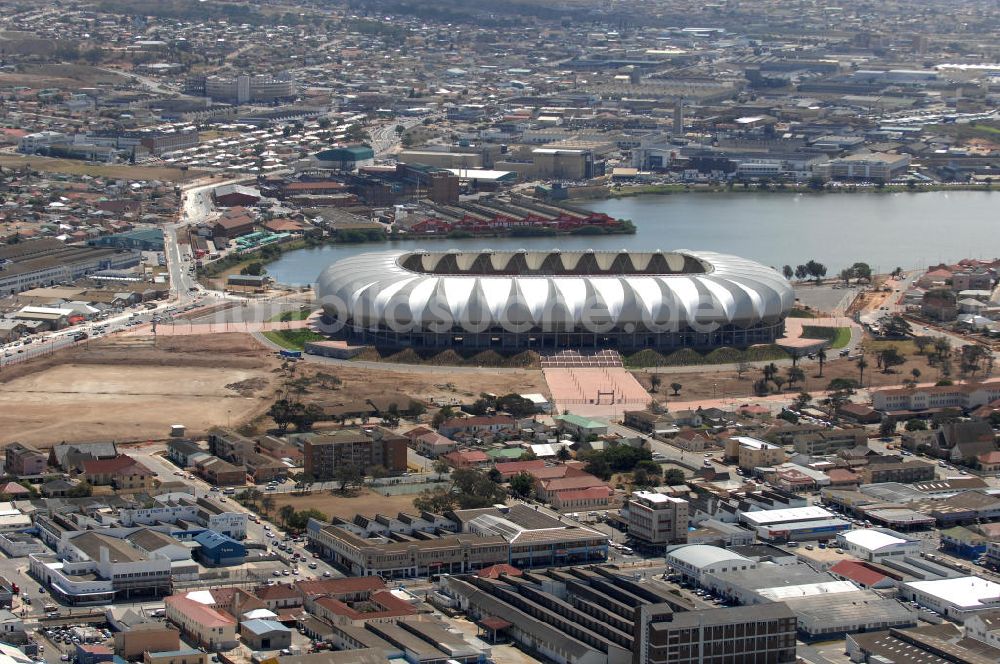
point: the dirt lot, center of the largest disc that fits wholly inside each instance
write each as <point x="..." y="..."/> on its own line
<point x="429" y="383"/>
<point x="127" y="389"/>
<point x="74" y="167"/>
<point x="709" y="383"/>
<point x="366" y="502"/>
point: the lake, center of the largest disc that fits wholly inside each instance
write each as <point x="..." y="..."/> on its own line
<point x="907" y="230"/>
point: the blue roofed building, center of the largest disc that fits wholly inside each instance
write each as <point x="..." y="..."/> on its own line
<point x="217" y="549"/>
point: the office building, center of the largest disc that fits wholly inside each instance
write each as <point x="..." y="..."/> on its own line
<point x="244" y="88"/>
<point x="654" y="518"/>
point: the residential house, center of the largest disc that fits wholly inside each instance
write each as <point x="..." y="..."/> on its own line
<point x="122" y="472"/>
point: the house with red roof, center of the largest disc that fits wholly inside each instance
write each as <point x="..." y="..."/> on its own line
<point x="508" y="469"/>
<point x="467" y="459"/>
<point x="591" y="498"/>
<point x="121" y="472"/>
<point x="549" y="489"/>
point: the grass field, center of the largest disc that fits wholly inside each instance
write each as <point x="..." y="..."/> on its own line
<point x="285" y="316"/>
<point x="114" y="171"/>
<point x="293" y="339"/>
<point x="838" y="337"/>
<point x="905" y="347"/>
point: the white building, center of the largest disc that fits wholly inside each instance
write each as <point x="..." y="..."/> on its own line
<point x="794" y="523"/>
<point x="955" y="599"/>
<point x="655" y="518"/>
<point x="984" y="626"/>
<point x="32" y="143"/>
<point x="694" y="561"/>
<point x="181" y="507"/>
<point x="874" y="544"/>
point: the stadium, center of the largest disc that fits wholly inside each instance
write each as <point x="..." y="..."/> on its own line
<point x="515" y="300"/>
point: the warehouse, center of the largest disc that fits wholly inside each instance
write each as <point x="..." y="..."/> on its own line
<point x="955" y="599"/>
<point x="217" y="549"/>
<point x="874" y="544"/>
<point x="795" y="523"/>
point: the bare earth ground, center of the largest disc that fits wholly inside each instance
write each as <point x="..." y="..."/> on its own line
<point x="128" y="390"/>
<point x="708" y="382"/>
<point x="366" y="502"/>
<point x="427" y="382"/>
<point x="74" y="167"/>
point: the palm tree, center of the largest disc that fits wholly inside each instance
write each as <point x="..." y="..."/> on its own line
<point x="821" y="356"/>
<point x="862" y="365"/>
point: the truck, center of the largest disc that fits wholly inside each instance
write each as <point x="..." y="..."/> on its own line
<point x="291" y="354"/>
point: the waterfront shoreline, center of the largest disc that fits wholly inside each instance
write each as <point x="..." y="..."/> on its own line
<point x="673" y="189"/>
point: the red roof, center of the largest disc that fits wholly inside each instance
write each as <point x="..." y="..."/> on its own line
<point x="561" y="484"/>
<point x="344" y="586"/>
<point x="510" y="468"/>
<point x="858" y="572"/>
<point x="590" y="493"/>
<point x="494" y="571"/>
<point x="989" y="457"/>
<point x="116" y="465"/>
<point x="842" y="475"/>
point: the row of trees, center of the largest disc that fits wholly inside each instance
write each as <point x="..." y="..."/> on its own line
<point x="811" y="269"/>
<point x="772" y="374"/>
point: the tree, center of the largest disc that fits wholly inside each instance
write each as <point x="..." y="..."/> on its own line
<point x="673" y="477"/>
<point x="473" y="489"/>
<point x="254" y="269"/>
<point x="742" y="367"/>
<point x="654" y="382"/>
<point x="801" y="272"/>
<point x="888" y="358"/>
<point x="564" y="454"/>
<point x="676" y="387"/>
<point x="862" y="271"/>
<point x="441" y="467"/>
<point x="821" y="356"/>
<point x="495" y="475"/>
<point x="597" y="466"/>
<point x="285" y="512"/>
<point x="795" y="375"/>
<point x="283" y="414"/>
<point x="846" y="275"/>
<point x="921" y="343"/>
<point x="816" y="270"/>
<point x="347" y="475"/>
<point x="446" y="413"/>
<point x="642" y="478"/>
<point x="305" y="416"/>
<point x="516" y="405"/>
<point x="915" y="424"/>
<point x="916" y="375"/>
<point x="802" y="400"/>
<point x="887" y="427"/>
<point x="437" y="500"/>
<point x="862" y="365"/>
<point x="787" y="271"/>
<point x="778" y="381"/>
<point x="522" y="485"/>
<point x="267" y="504"/>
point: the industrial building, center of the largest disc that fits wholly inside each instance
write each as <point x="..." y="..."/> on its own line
<point x="596" y="615"/>
<point x="579" y="299"/>
<point x="795" y="523"/>
<point x="957" y="598"/>
<point x="48" y="261"/>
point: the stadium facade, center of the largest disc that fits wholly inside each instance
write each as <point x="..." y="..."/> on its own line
<point x="512" y="300"/>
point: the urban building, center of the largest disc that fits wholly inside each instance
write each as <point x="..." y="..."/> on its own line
<point x="654" y="518"/>
<point x="956" y="599"/>
<point x="21" y="460"/>
<point x="361" y="449"/>
<point x="246" y="88"/>
<point x="200" y="622"/>
<point x="751" y="453"/>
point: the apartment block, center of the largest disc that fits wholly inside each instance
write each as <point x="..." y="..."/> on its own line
<point x="22" y="459"/>
<point x="655" y="518"/>
<point x="359" y="448"/>
<point x="752" y="453"/>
